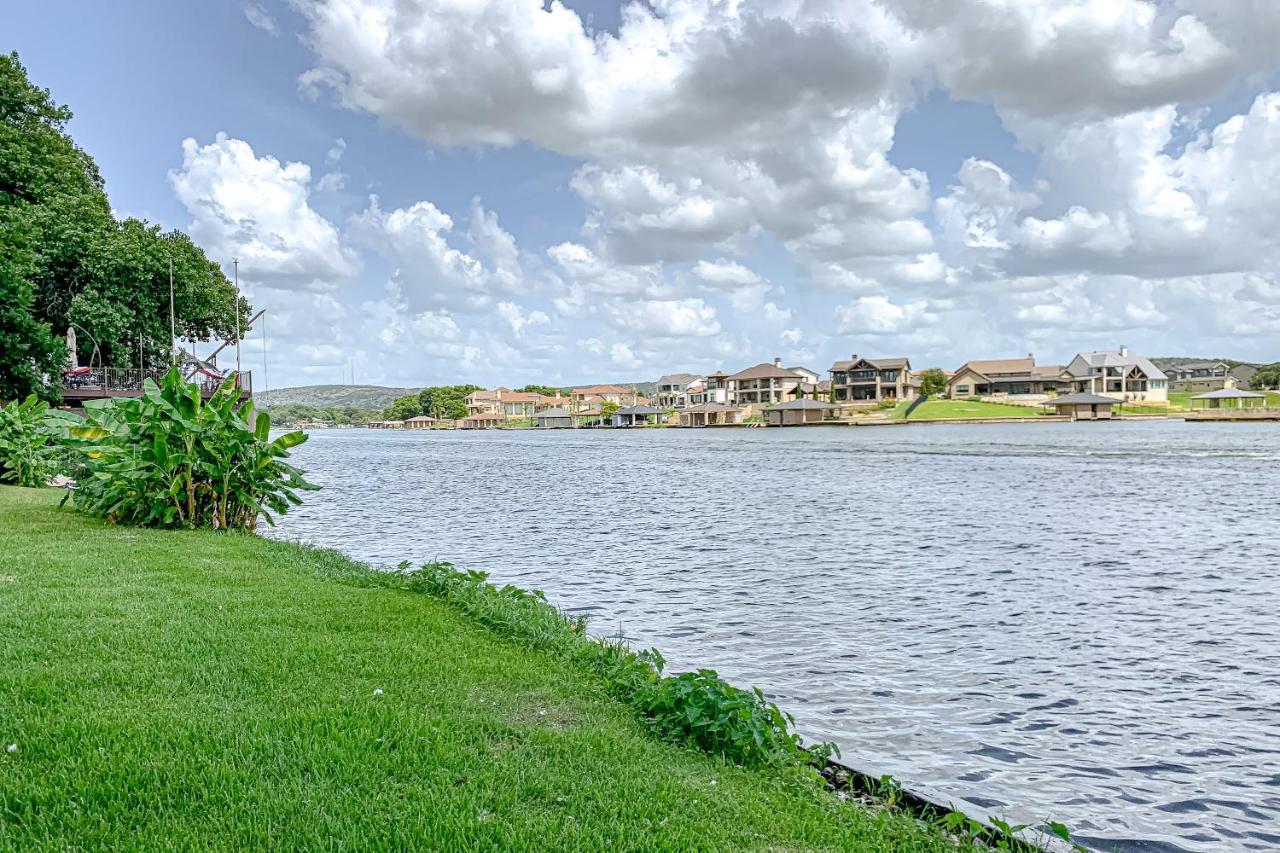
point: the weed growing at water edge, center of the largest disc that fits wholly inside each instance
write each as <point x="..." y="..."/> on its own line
<point x="695" y="707"/>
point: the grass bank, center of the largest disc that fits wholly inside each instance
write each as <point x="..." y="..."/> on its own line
<point x="964" y="409"/>
<point x="220" y="691"/>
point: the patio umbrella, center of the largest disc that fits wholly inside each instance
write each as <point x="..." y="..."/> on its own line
<point x="72" y="361"/>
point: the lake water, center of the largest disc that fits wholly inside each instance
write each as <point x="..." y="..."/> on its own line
<point x="1076" y="621"/>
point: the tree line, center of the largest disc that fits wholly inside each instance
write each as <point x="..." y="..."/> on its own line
<point x="67" y="261"/>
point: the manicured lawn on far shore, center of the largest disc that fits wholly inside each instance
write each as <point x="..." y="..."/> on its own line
<point x="962" y="409"/>
<point x="204" y="690"/>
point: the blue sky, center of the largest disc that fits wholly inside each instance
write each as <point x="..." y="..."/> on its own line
<point x="655" y="191"/>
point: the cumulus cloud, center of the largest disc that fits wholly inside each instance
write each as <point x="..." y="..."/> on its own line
<point x="257" y="209"/>
<point x="703" y="131"/>
<point x="430" y="270"/>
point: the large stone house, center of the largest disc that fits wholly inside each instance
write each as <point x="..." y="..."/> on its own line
<point x="1005" y="377"/>
<point x="1118" y="374"/>
<point x="712" y="388"/>
<point x="763" y="384"/>
<point x="584" y="398"/>
<point x="505" y="403"/>
<point x="871" y="380"/>
<point x="1201" y="376"/>
<point x="673" y="390"/>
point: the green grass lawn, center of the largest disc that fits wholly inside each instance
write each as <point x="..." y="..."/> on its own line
<point x="961" y="409"/>
<point x="204" y="690"/>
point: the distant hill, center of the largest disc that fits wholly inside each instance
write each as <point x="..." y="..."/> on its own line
<point x="375" y="397"/>
<point x="1165" y="362"/>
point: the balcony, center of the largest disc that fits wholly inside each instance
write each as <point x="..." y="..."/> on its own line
<point x="104" y="382"/>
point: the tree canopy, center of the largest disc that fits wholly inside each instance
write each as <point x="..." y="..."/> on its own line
<point x="933" y="381"/>
<point x="65" y="259"/>
<point x="1268" y="376"/>
<point x="544" y="390"/>
<point x="447" y="402"/>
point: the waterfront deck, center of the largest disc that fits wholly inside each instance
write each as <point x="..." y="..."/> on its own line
<point x="106" y="382"/>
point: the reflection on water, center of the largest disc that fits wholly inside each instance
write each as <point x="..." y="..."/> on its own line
<point x="1066" y="620"/>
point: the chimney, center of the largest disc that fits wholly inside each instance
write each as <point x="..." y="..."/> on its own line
<point x="1124" y="351"/>
<point x="777" y="362"/>
<point x="853" y="357"/>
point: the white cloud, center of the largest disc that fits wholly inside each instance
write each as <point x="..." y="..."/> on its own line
<point x="724" y="272"/>
<point x="257" y="209"/>
<point x="430" y="271"/>
<point x="876" y="315"/>
<point x="260" y="18"/>
<point x="667" y="318"/>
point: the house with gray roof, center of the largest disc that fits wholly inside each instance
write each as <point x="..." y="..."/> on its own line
<point x="1201" y="376"/>
<point x="763" y="384"/>
<point x="673" y="390"/>
<point x="1005" y="377"/>
<point x="1118" y="374"/>
<point x="871" y="380"/>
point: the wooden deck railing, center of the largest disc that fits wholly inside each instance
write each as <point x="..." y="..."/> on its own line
<point x="127" y="382"/>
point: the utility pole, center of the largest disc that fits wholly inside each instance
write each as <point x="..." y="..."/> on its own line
<point x="264" y="350"/>
<point x="236" y="263"/>
<point x="173" y="323"/>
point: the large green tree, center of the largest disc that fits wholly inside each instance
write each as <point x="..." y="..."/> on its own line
<point x="65" y="259"/>
<point x="933" y="381"/>
<point x="447" y="402"/>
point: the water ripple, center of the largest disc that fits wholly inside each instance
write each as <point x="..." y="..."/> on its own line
<point x="1066" y="620"/>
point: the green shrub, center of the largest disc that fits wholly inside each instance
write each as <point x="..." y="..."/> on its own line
<point x="27" y="457"/>
<point x="170" y="459"/>
<point x="696" y="707"/>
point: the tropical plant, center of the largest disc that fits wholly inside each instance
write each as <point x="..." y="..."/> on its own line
<point x="27" y="458"/>
<point x="171" y="459"/>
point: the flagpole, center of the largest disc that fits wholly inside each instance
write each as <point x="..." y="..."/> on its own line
<point x="173" y="328"/>
<point x="236" y="262"/>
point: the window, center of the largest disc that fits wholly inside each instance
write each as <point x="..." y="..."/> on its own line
<point x="962" y="389"/>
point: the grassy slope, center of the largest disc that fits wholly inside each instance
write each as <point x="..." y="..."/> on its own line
<point x="217" y="691"/>
<point x="961" y="409"/>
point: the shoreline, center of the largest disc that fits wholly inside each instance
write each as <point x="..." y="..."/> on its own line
<point x="324" y="574"/>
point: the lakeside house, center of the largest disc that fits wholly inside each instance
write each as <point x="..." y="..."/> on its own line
<point x="385" y="425"/>
<point x="1014" y="377"/>
<point x="798" y="412"/>
<point x="1243" y="374"/>
<point x="588" y="396"/>
<point x="712" y="388"/>
<point x="485" y="401"/>
<point x="1201" y="376"/>
<point x="871" y="380"/>
<point x="673" y="390"/>
<point x="764" y="384"/>
<point x="1118" y="374"/>
<point x="420" y="422"/>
